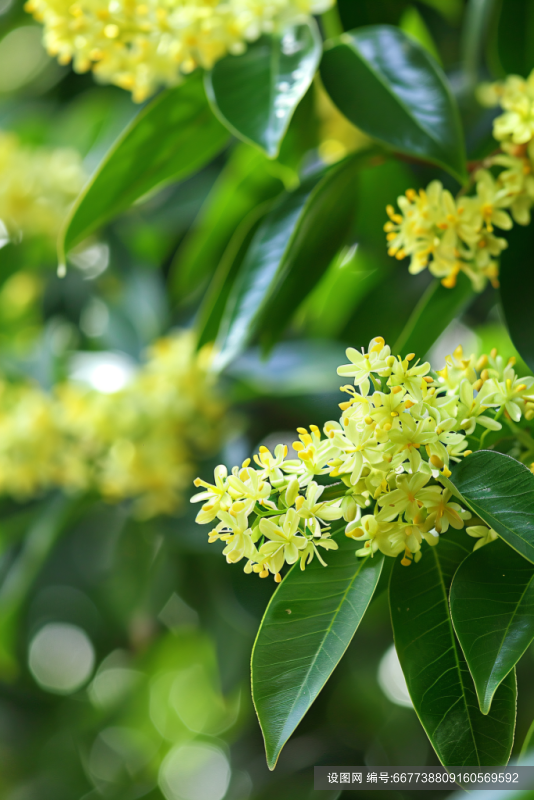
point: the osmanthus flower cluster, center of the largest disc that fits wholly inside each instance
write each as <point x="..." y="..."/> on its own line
<point x="382" y="468"/>
<point x="451" y="235"/>
<point x="37" y="185"/>
<point x="515" y="95"/>
<point x="142" y="46"/>
<point x="141" y="443"/>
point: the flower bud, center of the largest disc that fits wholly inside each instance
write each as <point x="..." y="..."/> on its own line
<point x="436" y="462"/>
<point x="292" y="491"/>
<point x="350" y="508"/>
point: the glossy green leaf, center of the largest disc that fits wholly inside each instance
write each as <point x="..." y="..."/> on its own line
<point x="305" y="631"/>
<point x="437" y="308"/>
<point x="500" y="490"/>
<point x="286" y="373"/>
<point x="290" y="252"/>
<point x="247" y="180"/>
<point x="517" y="290"/>
<point x="389" y="86"/>
<point x="341" y="290"/>
<point x="436" y="673"/>
<point x="211" y="310"/>
<point x="492" y="608"/>
<point x="255" y="94"/>
<point x="171" y="138"/>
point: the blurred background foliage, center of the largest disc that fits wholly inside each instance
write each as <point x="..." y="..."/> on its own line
<point x="125" y="640"/>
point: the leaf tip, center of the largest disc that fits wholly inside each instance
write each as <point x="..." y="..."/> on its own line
<point x="485" y="701"/>
<point x="272" y="757"/>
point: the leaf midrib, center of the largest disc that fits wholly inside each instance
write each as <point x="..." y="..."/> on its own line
<point x="527" y="587"/>
<point x="487" y="701"/>
<point x="453" y="642"/>
<point x="319" y="651"/>
<point x="325" y="635"/>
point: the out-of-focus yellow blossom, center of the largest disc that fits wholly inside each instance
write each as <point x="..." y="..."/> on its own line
<point x="37" y="186"/>
<point x="391" y="449"/>
<point x="515" y="95"/>
<point x="142" y="46"/>
<point x="141" y="443"/>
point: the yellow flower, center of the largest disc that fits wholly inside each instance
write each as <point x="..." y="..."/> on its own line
<point x="216" y="494"/>
<point x="411" y="378"/>
<point x="517" y="181"/>
<point x="271" y="465"/>
<point x="141" y="443"/>
<point x="234" y="530"/>
<point x="408" y="498"/>
<point x="314" y="454"/>
<point x="308" y="552"/>
<point x="377" y="535"/>
<point x="247" y="483"/>
<point x="425" y="230"/>
<point x="492" y="200"/>
<point x="142" y="46"/>
<point x="456" y="368"/>
<point x="511" y="392"/>
<point x="314" y="512"/>
<point x="483" y="534"/>
<point x="388" y="454"/>
<point x="515" y="95"/>
<point x="443" y="513"/>
<point x="451" y="236"/>
<point x="37" y="186"/>
<point x="285" y="541"/>
<point x="358" y="447"/>
<point x="363" y="365"/>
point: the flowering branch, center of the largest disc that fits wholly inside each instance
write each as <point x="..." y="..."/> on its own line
<point x="400" y="430"/>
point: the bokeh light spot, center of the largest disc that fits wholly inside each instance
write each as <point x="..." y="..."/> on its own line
<point x="22" y="57"/>
<point x="194" y="772"/>
<point x="61" y="657"/>
<point x="391" y="679"/>
<point x="105" y="372"/>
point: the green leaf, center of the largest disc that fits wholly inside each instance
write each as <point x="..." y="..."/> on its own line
<point x="413" y="24"/>
<point x="500" y="490"/>
<point x="341" y="290"/>
<point x="289" y="253"/>
<point x="436" y="673"/>
<point x="211" y="310"/>
<point x="492" y="608"/>
<point x="305" y="631"/>
<point x="478" y="17"/>
<point x="390" y="87"/>
<point x="286" y="373"/>
<point x="528" y="743"/>
<point x="47" y="526"/>
<point x="517" y="290"/>
<point x="247" y="180"/>
<point x="437" y="308"/>
<point x="512" y="51"/>
<point x="170" y="138"/>
<point x="255" y="94"/>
